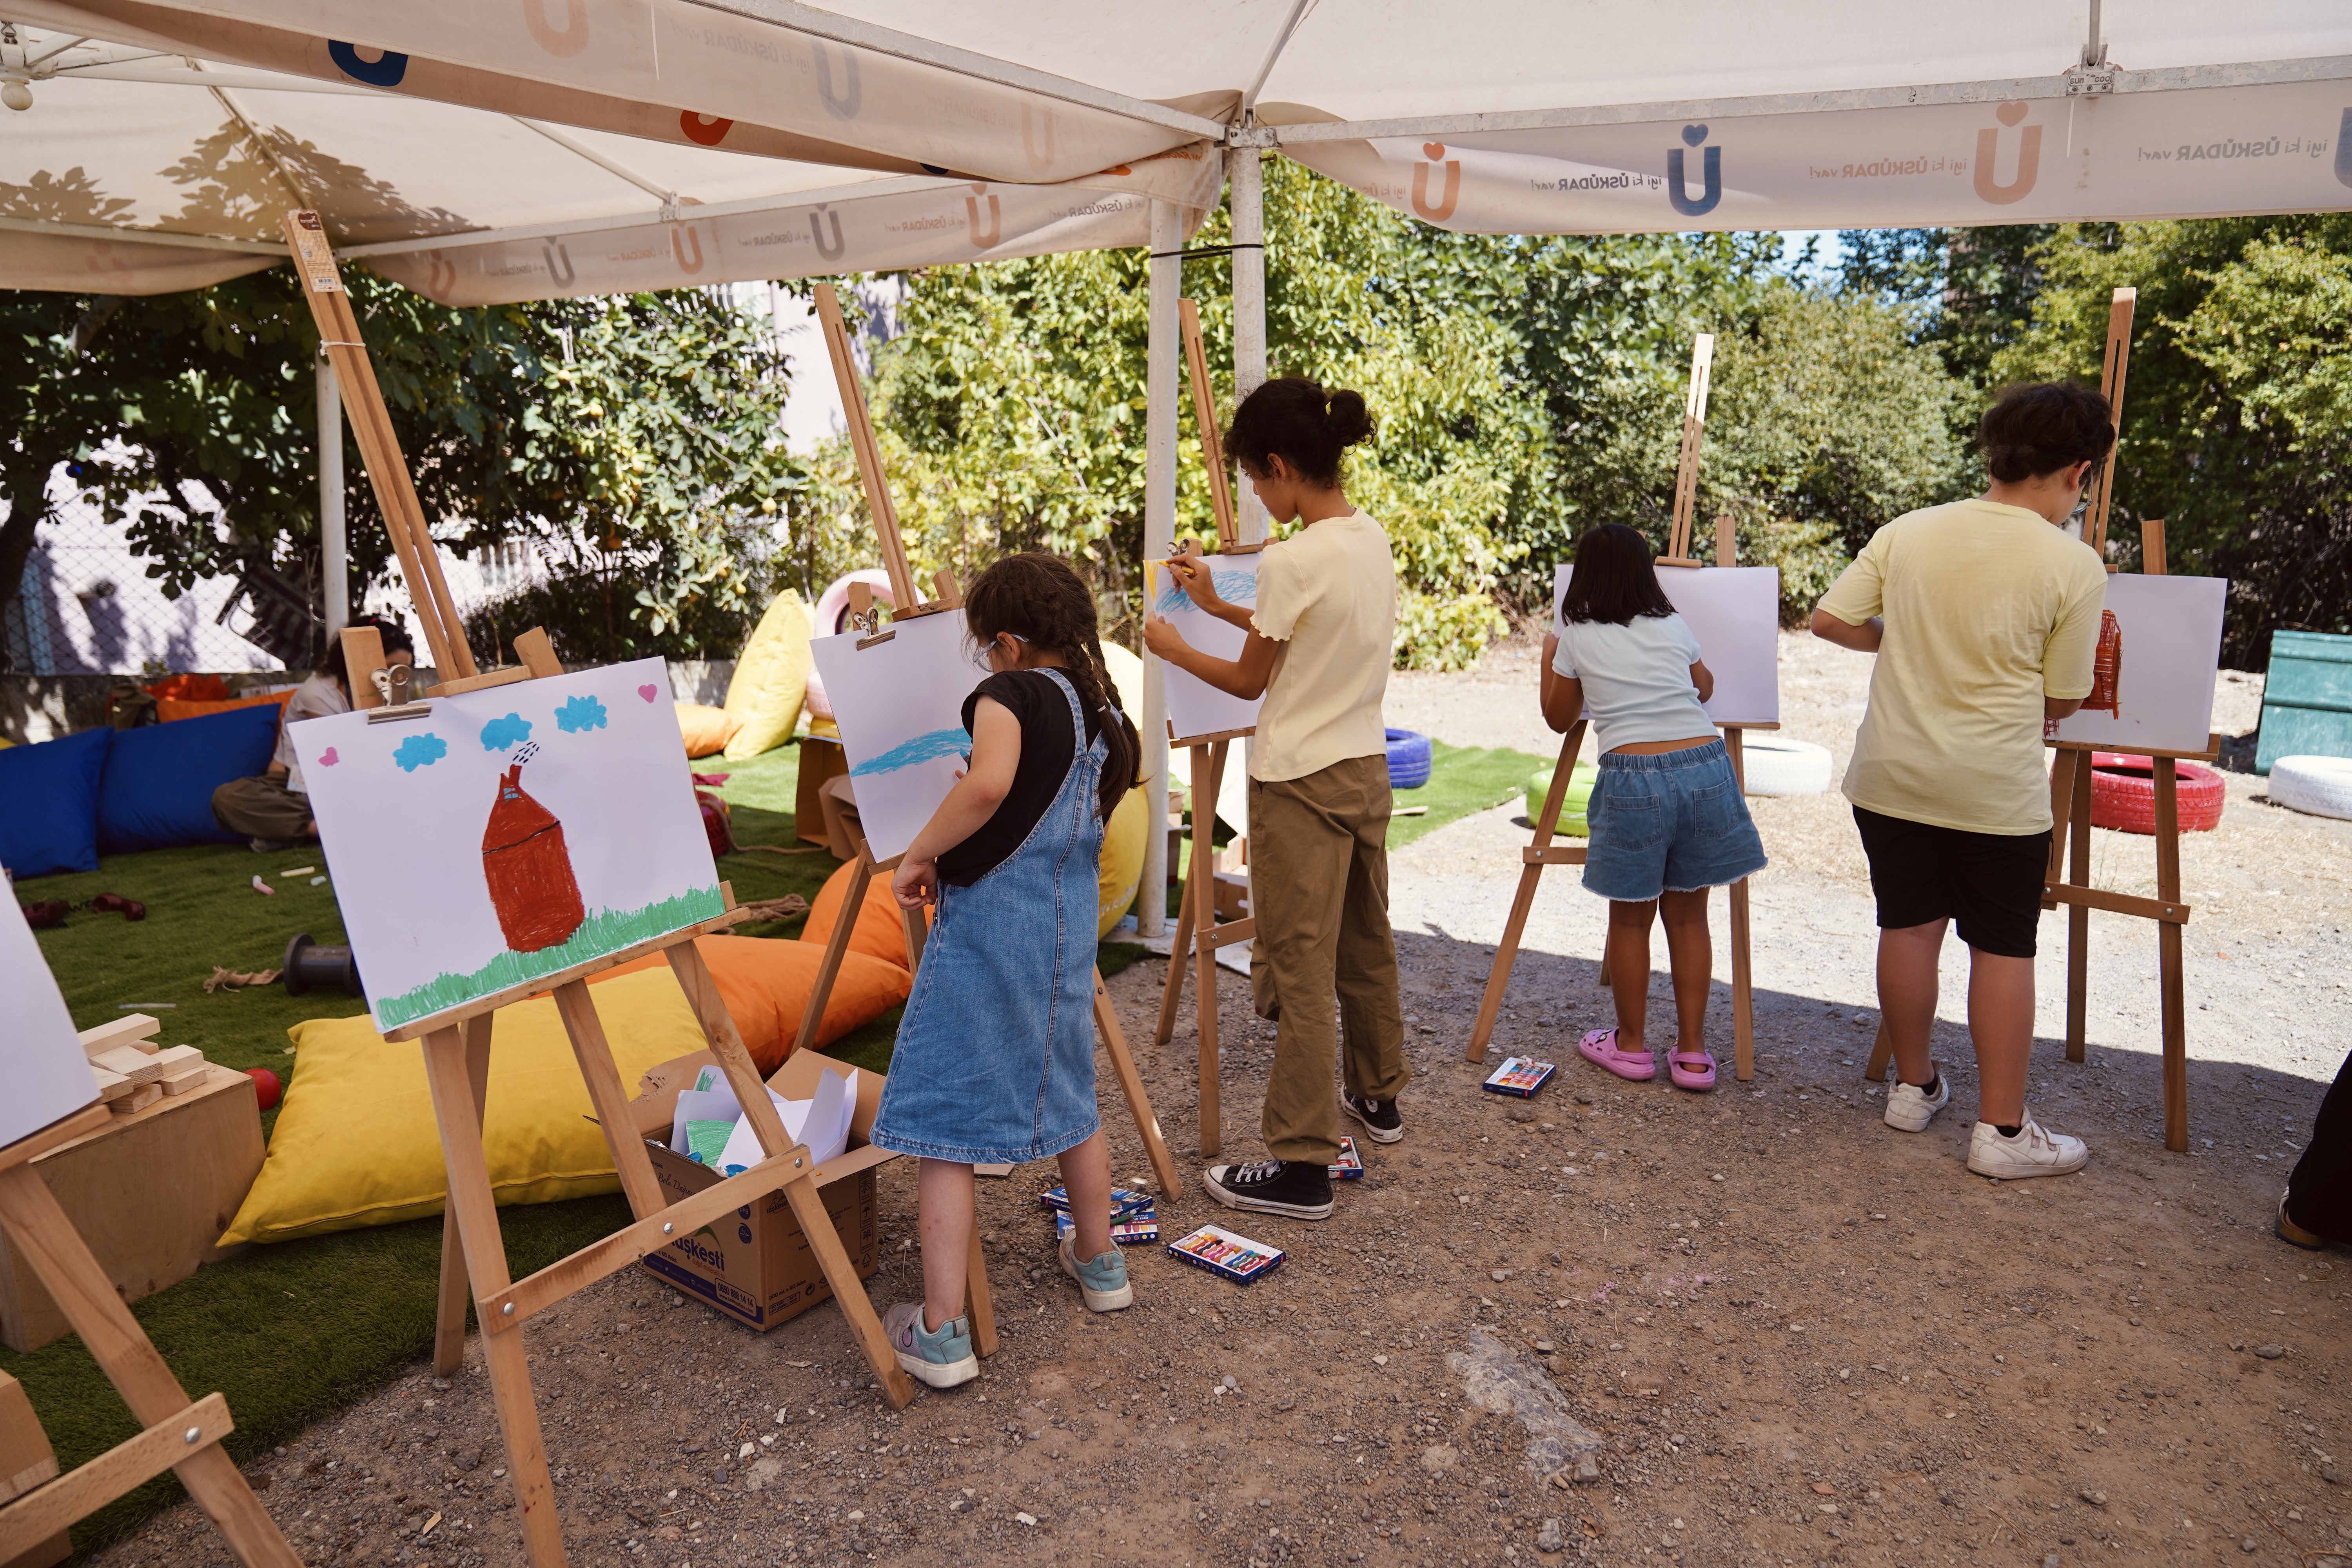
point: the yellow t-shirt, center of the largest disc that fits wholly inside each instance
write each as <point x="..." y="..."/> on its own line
<point x="1988" y="609"/>
<point x="1328" y="593"/>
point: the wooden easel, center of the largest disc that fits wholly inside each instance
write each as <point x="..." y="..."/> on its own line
<point x="865" y="868"/>
<point x="2070" y="809"/>
<point x="181" y="1436"/>
<point x="1702" y="377"/>
<point x="457" y="1043"/>
<point x="1198" y="933"/>
<point x="1541" y="853"/>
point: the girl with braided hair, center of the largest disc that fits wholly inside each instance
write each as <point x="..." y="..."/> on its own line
<point x="995" y="1057"/>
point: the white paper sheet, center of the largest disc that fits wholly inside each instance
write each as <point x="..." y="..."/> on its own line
<point x="715" y="1104"/>
<point x="49" y="1076"/>
<point x="2171" y="629"/>
<point x="821" y="1121"/>
<point x="1194" y="706"/>
<point x="1735" y="613"/>
<point x="900" y="705"/>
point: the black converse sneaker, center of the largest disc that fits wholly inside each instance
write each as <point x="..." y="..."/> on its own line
<point x="1299" y="1189"/>
<point x="1380" y="1117"/>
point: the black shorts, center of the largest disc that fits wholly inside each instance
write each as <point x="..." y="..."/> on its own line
<point x="1990" y="884"/>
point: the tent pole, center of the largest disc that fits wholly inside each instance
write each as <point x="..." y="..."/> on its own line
<point x="334" y="565"/>
<point x="1159" y="541"/>
<point x="1249" y="306"/>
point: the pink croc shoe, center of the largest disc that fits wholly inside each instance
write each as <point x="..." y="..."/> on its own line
<point x="1600" y="1048"/>
<point x="1691" y="1069"/>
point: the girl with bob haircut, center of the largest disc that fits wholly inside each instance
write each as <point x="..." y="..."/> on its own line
<point x="995" y="1056"/>
<point x="1321" y="638"/>
<point x="1667" y="819"/>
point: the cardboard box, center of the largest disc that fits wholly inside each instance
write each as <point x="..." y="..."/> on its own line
<point x="755" y="1265"/>
<point x="151" y="1191"/>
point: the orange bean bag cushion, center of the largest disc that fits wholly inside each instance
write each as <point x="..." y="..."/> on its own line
<point x="169" y="708"/>
<point x="878" y="932"/>
<point x="766" y="984"/>
<point x="707" y="729"/>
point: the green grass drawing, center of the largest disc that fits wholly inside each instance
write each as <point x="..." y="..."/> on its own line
<point x="604" y="932"/>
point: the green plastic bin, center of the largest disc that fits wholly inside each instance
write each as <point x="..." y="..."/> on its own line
<point x="2306" y="698"/>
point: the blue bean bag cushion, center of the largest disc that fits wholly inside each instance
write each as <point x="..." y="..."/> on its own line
<point x="49" y="804"/>
<point x="159" y="783"/>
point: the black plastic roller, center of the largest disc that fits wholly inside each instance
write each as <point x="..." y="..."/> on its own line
<point x="307" y="966"/>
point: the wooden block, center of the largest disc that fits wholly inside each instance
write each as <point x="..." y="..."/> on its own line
<point x="179" y="1059"/>
<point x="26" y="1461"/>
<point x="140" y="1097"/>
<point x="187" y="1081"/>
<point x="131" y="1063"/>
<point x="110" y="1085"/>
<point x="120" y="1032"/>
<point x="150" y="1192"/>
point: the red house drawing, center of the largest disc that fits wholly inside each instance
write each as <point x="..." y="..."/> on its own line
<point x="529" y="869"/>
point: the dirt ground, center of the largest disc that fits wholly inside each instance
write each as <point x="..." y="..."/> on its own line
<point x="1798" y="1336"/>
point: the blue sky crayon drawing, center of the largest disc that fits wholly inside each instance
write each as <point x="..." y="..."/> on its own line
<point x="405" y="810"/>
<point x="924" y="748"/>
<point x="1234" y="585"/>
<point x="1194" y="706"/>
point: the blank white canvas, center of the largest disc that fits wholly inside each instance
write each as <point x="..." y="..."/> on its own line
<point x="1735" y="613"/>
<point x="1195" y="707"/>
<point x="403" y="807"/>
<point x="900" y="704"/>
<point x="2164" y="683"/>
<point x="49" y="1076"/>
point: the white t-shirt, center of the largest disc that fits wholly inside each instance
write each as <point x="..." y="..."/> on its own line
<point x="1328" y="595"/>
<point x="314" y="698"/>
<point x="1637" y="678"/>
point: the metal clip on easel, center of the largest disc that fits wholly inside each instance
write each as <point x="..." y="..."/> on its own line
<point x="392" y="685"/>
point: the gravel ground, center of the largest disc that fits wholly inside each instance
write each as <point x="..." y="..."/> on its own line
<point x="1796" y="1335"/>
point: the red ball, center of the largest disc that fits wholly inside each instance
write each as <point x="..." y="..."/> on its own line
<point x="266" y="1082"/>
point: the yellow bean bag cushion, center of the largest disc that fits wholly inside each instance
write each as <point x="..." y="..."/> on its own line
<point x="356" y="1143"/>
<point x="705" y="729"/>
<point x="1122" y="858"/>
<point x="770" y="679"/>
<point x="879" y="933"/>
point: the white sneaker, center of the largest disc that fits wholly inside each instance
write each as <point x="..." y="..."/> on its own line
<point x="2034" y="1152"/>
<point x="1909" y="1108"/>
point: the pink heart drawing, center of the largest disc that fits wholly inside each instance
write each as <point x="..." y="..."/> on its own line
<point x="647" y="692"/>
<point x="327" y="759"/>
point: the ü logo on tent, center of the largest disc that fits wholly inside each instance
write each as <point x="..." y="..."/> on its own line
<point x="816" y="232"/>
<point x="1443" y="207"/>
<point x="982" y="239"/>
<point x="2343" y="150"/>
<point x="1711" y="175"/>
<point x="1039" y="162"/>
<point x="842" y="106"/>
<point x="441" y="275"/>
<point x="559" y="264"/>
<point x="2029" y="158"/>
<point x="685" y="238"/>
<point x="562" y="42"/>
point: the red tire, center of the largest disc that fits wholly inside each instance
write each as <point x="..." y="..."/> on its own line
<point x="2123" y="795"/>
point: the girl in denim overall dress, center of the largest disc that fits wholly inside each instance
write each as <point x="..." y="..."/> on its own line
<point x="1668" y="820"/>
<point x="995" y="1056"/>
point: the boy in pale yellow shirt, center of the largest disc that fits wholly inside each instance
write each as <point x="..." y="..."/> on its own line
<point x="1985" y="616"/>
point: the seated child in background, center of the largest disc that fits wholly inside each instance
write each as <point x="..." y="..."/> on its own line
<point x="995" y="1059"/>
<point x="1668" y="820"/>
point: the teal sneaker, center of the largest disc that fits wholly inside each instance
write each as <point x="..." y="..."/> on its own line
<point x="942" y="1359"/>
<point x="1101" y="1280"/>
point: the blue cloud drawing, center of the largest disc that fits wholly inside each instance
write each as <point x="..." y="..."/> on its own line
<point x="1235" y="588"/>
<point x="420" y="752"/>
<point x="499" y="734"/>
<point x="912" y="753"/>
<point x="579" y="714"/>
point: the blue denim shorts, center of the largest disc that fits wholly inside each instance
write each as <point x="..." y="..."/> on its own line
<point x="1669" y="823"/>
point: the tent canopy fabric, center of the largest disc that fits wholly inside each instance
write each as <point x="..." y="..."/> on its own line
<point x="489" y="149"/>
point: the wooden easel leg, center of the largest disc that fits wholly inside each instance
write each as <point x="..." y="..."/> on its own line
<point x="1200" y="877"/>
<point x="1498" y="978"/>
<point x="849" y="1291"/>
<point x="2078" y="918"/>
<point x="57" y="1253"/>
<point x="594" y="1054"/>
<point x="1743" y="978"/>
<point x="1189" y="914"/>
<point x="475" y="1206"/>
<point x="917" y="931"/>
<point x="853" y="900"/>
<point x="1881" y="1050"/>
<point x="2167" y="939"/>
<point x="1179" y="951"/>
<point x="450" y="1315"/>
<point x="977" y="1302"/>
<point x="1130" y="1084"/>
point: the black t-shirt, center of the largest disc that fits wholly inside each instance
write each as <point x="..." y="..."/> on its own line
<point x="1036" y="699"/>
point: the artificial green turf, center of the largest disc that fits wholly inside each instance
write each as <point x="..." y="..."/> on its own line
<point x="1463" y="781"/>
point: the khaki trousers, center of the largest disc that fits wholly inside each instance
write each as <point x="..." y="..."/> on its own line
<point x="1319" y="890"/>
<point x="260" y="809"/>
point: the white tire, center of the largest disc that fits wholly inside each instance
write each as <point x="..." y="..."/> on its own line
<point x="2320" y="785"/>
<point x="1774" y="764"/>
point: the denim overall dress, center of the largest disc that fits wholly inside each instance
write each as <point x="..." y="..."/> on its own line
<point x="995" y="1057"/>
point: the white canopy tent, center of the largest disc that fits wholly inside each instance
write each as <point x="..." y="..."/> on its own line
<point x="526" y="137"/>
